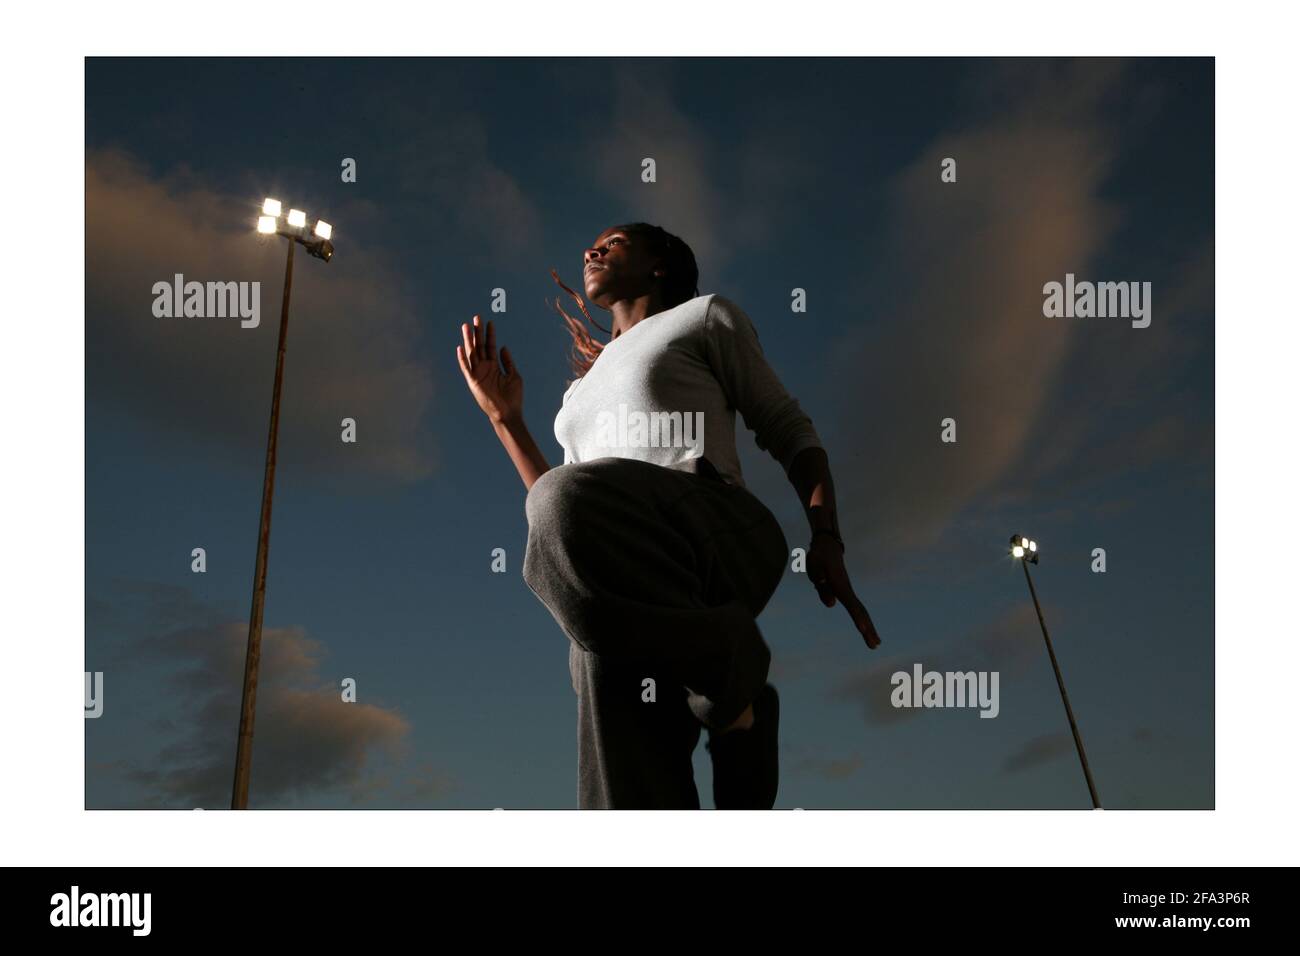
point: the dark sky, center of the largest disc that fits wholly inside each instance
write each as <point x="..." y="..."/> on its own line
<point x="925" y="302"/>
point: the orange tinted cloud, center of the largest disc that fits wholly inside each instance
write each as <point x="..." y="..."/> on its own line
<point x="353" y="335"/>
<point x="309" y="745"/>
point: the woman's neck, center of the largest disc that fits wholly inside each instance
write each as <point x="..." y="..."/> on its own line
<point x="628" y="312"/>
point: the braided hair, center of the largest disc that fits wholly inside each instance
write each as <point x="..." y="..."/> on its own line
<point x="680" y="284"/>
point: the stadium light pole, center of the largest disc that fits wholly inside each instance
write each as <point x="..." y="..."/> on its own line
<point x="317" y="243"/>
<point x="1025" y="550"/>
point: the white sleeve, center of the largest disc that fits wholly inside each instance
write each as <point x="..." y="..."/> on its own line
<point x="780" y="426"/>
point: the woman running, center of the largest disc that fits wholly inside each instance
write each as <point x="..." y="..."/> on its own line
<point x="645" y="545"/>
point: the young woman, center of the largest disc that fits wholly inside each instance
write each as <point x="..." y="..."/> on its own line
<point x="645" y="545"/>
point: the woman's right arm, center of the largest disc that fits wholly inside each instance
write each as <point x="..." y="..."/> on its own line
<point x="500" y="394"/>
<point x="523" y="451"/>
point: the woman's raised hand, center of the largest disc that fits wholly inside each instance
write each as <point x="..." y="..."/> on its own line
<point x="499" y="392"/>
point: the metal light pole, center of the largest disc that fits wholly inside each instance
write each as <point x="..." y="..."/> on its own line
<point x="1027" y="551"/>
<point x="318" y="244"/>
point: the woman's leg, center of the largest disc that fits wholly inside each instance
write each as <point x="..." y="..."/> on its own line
<point x="635" y="740"/>
<point x="657" y="572"/>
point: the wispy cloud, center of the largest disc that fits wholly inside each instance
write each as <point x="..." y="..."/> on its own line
<point x="834" y="769"/>
<point x="353" y="348"/>
<point x="1037" y="751"/>
<point x="720" y="196"/>
<point x="311" y="747"/>
<point x="454" y="179"/>
<point x="965" y="337"/>
<point x="1008" y="644"/>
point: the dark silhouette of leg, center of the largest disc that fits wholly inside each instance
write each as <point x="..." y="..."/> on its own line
<point x="652" y="572"/>
<point x="633" y="753"/>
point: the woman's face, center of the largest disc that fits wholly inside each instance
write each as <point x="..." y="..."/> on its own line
<point x="618" y="266"/>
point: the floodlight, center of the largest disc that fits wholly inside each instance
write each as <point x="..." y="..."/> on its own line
<point x="320" y="248"/>
<point x="317" y="243"/>
<point x="1026" y="551"/>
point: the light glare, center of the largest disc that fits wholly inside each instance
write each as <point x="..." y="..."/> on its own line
<point x="297" y="218"/>
<point x="323" y="228"/>
<point x="266" y="224"/>
<point x="1033" y="545"/>
<point x="1018" y="551"/>
<point x="271" y="207"/>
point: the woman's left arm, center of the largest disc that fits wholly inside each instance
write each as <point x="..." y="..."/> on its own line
<point x="782" y="428"/>
<point x="810" y="473"/>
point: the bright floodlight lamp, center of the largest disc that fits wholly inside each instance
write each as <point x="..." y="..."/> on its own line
<point x="1022" y="547"/>
<point x="293" y="226"/>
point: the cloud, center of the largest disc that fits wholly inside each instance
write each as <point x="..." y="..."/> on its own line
<point x="352" y="347"/>
<point x="1096" y="428"/>
<point x="833" y="769"/>
<point x="720" y="196"/>
<point x="1011" y="642"/>
<point x="871" y="688"/>
<point x="1008" y="644"/>
<point x="443" y="164"/>
<point x="1038" y="751"/>
<point x="644" y="122"/>
<point x="310" y="746"/>
<point x="963" y="334"/>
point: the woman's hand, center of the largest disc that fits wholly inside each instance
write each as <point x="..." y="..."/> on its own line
<point x="827" y="573"/>
<point x="499" y="393"/>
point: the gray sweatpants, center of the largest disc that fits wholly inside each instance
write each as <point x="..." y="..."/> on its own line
<point x="656" y="574"/>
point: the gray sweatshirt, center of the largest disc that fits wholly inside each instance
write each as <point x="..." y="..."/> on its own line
<point x="668" y="389"/>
